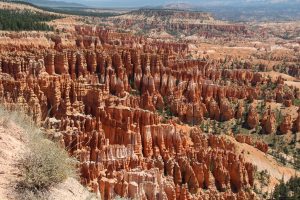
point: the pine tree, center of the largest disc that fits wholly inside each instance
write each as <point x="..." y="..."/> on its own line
<point x="13" y="20"/>
<point x="289" y="190"/>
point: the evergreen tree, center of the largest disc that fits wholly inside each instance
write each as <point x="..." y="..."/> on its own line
<point x="14" y="20"/>
<point x="289" y="190"/>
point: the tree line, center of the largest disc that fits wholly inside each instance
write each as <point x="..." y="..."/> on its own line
<point x="17" y="20"/>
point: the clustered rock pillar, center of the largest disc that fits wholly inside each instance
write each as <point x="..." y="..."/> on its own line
<point x="116" y="102"/>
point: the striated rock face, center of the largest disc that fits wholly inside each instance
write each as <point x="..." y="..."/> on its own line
<point x="286" y="124"/>
<point x="226" y="110"/>
<point x="252" y="118"/>
<point x="269" y="122"/>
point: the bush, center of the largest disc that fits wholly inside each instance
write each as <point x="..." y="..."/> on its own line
<point x="30" y="195"/>
<point x="296" y="102"/>
<point x="44" y="165"/>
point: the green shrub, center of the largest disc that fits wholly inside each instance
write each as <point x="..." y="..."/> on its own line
<point x="296" y="102"/>
<point x="44" y="165"/>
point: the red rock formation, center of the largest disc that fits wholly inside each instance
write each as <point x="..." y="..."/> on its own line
<point x="286" y="124"/>
<point x="226" y="110"/>
<point x="269" y="122"/>
<point x="262" y="146"/>
<point x="296" y="125"/>
<point x="252" y="118"/>
<point x="109" y="100"/>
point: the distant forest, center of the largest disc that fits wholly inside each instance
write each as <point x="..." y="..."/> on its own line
<point x="80" y="12"/>
<point x="16" y="20"/>
<point x="69" y="10"/>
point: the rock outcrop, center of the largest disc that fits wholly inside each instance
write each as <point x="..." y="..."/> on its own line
<point x="252" y="118"/>
<point x="262" y="146"/>
<point x="286" y="124"/>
